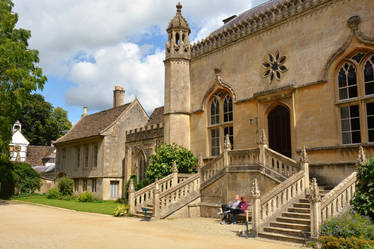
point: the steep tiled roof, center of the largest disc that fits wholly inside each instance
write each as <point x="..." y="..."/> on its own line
<point x="157" y="116"/>
<point x="35" y="154"/>
<point x="94" y="124"/>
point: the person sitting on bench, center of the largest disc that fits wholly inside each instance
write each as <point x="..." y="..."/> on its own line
<point x="243" y="205"/>
<point x="227" y="209"/>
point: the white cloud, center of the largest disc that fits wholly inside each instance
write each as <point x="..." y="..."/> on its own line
<point x="124" y="64"/>
<point x="91" y="42"/>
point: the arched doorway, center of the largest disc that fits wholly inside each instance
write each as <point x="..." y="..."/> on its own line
<point x="279" y="130"/>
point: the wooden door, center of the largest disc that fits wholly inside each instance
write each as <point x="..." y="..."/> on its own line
<point x="279" y="130"/>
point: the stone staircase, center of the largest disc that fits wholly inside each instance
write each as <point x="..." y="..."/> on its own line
<point x="292" y="225"/>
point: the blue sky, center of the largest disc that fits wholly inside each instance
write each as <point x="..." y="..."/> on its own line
<point x="88" y="46"/>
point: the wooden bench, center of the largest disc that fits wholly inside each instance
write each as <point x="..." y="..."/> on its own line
<point x="242" y="217"/>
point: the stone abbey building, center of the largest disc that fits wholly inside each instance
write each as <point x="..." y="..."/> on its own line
<point x="287" y="73"/>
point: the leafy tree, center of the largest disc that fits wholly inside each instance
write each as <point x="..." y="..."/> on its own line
<point x="363" y="201"/>
<point x="41" y="122"/>
<point x="6" y="178"/>
<point x="161" y="163"/>
<point x="19" y="73"/>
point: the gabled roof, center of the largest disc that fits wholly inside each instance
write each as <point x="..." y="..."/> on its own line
<point x="35" y="154"/>
<point x="19" y="138"/>
<point x="93" y="124"/>
<point x="157" y="116"/>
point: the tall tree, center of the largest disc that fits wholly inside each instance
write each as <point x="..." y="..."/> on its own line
<point x="41" y="123"/>
<point x="19" y="73"/>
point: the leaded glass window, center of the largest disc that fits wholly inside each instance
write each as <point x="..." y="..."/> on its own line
<point x="370" y="121"/>
<point x="227" y="109"/>
<point x="214" y="112"/>
<point x="229" y="130"/>
<point x="347" y="81"/>
<point x="350" y="124"/>
<point x="369" y="76"/>
<point x="215" y="143"/>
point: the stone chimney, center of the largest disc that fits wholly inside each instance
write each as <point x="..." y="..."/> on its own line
<point x="84" y="111"/>
<point x="118" y="96"/>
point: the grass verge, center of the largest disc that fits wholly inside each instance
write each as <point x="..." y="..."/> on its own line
<point x="100" y="207"/>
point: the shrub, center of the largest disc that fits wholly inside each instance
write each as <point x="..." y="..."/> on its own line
<point x="65" y="186"/>
<point x="26" y="179"/>
<point x="348" y="225"/>
<point x="121" y="210"/>
<point x="86" y="197"/>
<point x="161" y="163"/>
<point x="6" y="178"/>
<point x="332" y="242"/>
<point x="363" y="200"/>
<point x="53" y="193"/>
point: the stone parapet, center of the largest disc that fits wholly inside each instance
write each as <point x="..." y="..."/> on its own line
<point x="255" y="22"/>
<point x="146" y="132"/>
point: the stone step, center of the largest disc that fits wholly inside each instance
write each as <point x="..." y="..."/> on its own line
<point x="281" y="237"/>
<point x="296" y="215"/>
<point x="304" y="201"/>
<point x="293" y="220"/>
<point x="301" y="205"/>
<point x="287" y="231"/>
<point x="299" y="210"/>
<point x="302" y="227"/>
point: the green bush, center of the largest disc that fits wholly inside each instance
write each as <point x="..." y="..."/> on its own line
<point x="6" y="178"/>
<point x="348" y="225"/>
<point x="86" y="197"/>
<point x="26" y="179"/>
<point x="363" y="200"/>
<point x="121" y="210"/>
<point x="53" y="193"/>
<point x="332" y="242"/>
<point x="161" y="163"/>
<point x="65" y="186"/>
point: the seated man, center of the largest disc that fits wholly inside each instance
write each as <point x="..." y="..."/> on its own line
<point x="240" y="209"/>
<point x="227" y="209"/>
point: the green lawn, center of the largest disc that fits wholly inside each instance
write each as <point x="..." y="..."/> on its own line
<point x="102" y="207"/>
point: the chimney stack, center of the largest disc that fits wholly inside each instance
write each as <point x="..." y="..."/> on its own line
<point x="84" y="111"/>
<point x="118" y="96"/>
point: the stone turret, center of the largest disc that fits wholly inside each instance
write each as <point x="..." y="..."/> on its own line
<point x="177" y="81"/>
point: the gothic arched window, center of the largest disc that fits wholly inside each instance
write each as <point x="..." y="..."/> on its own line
<point x="347" y="81"/>
<point x="369" y="76"/>
<point x="141" y="166"/>
<point x="221" y="122"/>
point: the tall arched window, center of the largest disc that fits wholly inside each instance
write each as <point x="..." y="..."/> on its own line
<point x="220" y="121"/>
<point x="141" y="166"/>
<point x="355" y="80"/>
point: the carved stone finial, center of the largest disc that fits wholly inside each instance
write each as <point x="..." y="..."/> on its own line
<point x="361" y="156"/>
<point x="255" y="192"/>
<point x="353" y="22"/>
<point x="201" y="162"/>
<point x="314" y="191"/>
<point x="157" y="186"/>
<point x="131" y="187"/>
<point x="179" y="7"/>
<point x="304" y="156"/>
<point x="175" y="168"/>
<point x="227" y="145"/>
<point x="263" y="139"/>
<point x="217" y="71"/>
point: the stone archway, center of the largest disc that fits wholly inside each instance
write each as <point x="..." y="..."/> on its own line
<point x="279" y="131"/>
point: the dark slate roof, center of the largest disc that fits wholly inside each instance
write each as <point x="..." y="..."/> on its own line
<point x="93" y="124"/>
<point x="35" y="154"/>
<point x="157" y="116"/>
<point x="250" y="14"/>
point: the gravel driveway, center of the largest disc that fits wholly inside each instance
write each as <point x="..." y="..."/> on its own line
<point x="31" y="226"/>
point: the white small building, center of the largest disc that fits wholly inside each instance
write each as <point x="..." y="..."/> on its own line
<point x="18" y="146"/>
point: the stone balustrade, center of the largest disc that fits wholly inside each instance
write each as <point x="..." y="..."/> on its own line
<point x="209" y="170"/>
<point x="280" y="163"/>
<point x="338" y="199"/>
<point x="179" y="195"/>
<point x="262" y="19"/>
<point x="243" y="157"/>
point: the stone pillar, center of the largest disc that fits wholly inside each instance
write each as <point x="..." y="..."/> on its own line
<point x="315" y="206"/>
<point x="200" y="164"/>
<point x="304" y="165"/>
<point x="175" y="174"/>
<point x="226" y="149"/>
<point x="256" y="206"/>
<point x="361" y="156"/>
<point x="156" y="201"/>
<point x="132" y="198"/>
<point x="262" y="144"/>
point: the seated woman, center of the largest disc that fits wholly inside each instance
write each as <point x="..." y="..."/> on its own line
<point x="243" y="205"/>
